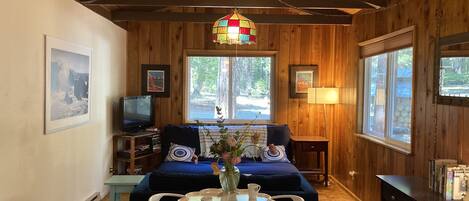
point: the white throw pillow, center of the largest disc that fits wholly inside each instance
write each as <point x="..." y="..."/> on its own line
<point x="180" y="153"/>
<point x="279" y="156"/>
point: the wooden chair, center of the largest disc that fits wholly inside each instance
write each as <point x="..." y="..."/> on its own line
<point x="292" y="197"/>
<point x="157" y="197"/>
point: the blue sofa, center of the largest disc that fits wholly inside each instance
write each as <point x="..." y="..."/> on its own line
<point x="179" y="177"/>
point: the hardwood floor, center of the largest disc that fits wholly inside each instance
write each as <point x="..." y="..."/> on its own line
<point x="331" y="193"/>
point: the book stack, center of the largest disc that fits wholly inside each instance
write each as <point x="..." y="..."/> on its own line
<point x="448" y="178"/>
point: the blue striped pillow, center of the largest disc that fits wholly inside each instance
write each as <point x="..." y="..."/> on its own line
<point x="280" y="156"/>
<point x="180" y="153"/>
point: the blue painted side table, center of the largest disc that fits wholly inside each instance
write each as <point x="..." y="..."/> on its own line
<point x="122" y="184"/>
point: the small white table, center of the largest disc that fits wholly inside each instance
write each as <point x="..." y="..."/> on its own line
<point x="122" y="184"/>
<point x="218" y="195"/>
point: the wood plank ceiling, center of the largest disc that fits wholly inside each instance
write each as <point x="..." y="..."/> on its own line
<point x="293" y="12"/>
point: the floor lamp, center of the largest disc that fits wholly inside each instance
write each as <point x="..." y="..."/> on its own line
<point x="323" y="96"/>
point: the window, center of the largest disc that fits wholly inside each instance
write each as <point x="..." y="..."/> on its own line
<point x="241" y="86"/>
<point x="452" y="73"/>
<point x="454" y="76"/>
<point x="388" y="96"/>
<point x="387" y="90"/>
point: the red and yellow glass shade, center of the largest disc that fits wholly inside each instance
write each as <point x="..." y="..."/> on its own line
<point x="234" y="29"/>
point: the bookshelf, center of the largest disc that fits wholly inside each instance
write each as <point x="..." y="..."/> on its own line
<point x="134" y="153"/>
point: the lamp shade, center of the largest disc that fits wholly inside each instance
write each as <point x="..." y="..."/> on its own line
<point x="323" y="95"/>
<point x="234" y="29"/>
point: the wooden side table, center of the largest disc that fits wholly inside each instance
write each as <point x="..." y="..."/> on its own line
<point x="148" y="160"/>
<point x="122" y="184"/>
<point x="316" y="144"/>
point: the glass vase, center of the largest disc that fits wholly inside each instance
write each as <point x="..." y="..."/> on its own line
<point x="229" y="178"/>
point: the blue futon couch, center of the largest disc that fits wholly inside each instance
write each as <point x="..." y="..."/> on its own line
<point x="180" y="177"/>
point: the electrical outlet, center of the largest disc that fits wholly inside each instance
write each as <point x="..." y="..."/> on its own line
<point x="352" y="174"/>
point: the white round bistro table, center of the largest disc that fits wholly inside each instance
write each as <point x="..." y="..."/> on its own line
<point x="212" y="194"/>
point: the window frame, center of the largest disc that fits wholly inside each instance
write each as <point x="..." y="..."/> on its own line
<point x="362" y="98"/>
<point x="448" y="41"/>
<point x="229" y="53"/>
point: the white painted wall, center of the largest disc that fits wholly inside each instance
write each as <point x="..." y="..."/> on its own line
<point x="69" y="165"/>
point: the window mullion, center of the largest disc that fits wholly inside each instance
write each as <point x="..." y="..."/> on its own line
<point x="389" y="95"/>
<point x="367" y="96"/>
<point x="230" y="87"/>
<point x="386" y="105"/>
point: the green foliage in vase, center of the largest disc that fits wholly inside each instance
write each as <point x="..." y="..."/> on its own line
<point x="230" y="147"/>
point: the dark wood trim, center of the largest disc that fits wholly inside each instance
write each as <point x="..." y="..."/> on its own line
<point x="449" y="100"/>
<point x="444" y="41"/>
<point x="375" y="3"/>
<point x="119" y="16"/>
<point x="106" y="14"/>
<point x="454" y="39"/>
<point x="303" y="4"/>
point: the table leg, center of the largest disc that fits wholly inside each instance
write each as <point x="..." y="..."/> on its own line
<point x="326" y="168"/>
<point x="318" y="163"/>
<point x="113" y="194"/>
<point x="318" y="159"/>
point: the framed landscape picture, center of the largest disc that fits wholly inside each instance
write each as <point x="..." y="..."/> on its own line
<point x="67" y="93"/>
<point x="301" y="78"/>
<point x="155" y="80"/>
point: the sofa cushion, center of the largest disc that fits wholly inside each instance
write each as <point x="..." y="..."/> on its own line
<point x="278" y="135"/>
<point x="174" y="181"/>
<point x="271" y="176"/>
<point x="165" y="181"/>
<point x="183" y="135"/>
<point x="188" y="135"/>
<point x="246" y="167"/>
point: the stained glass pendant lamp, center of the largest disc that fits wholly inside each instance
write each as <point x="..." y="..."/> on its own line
<point x="234" y="29"/>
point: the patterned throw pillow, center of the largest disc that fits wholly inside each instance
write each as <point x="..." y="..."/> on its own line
<point x="273" y="153"/>
<point x="180" y="153"/>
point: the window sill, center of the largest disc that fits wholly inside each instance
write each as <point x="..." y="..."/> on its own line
<point x="385" y="144"/>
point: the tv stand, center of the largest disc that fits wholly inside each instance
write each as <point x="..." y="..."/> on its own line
<point x="137" y="133"/>
<point x="128" y="159"/>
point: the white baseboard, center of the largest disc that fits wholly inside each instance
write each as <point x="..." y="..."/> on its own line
<point x="94" y="197"/>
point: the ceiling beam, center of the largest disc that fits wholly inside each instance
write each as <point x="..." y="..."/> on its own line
<point x="106" y="14"/>
<point x="303" y="4"/>
<point x="118" y="16"/>
<point x="375" y="3"/>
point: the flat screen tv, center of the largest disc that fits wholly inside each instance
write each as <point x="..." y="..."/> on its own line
<point x="137" y="113"/>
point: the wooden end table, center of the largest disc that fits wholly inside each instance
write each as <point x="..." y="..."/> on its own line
<point x="122" y="184"/>
<point x="316" y="144"/>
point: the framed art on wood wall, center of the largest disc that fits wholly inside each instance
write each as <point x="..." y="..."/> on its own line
<point x="155" y="80"/>
<point x="301" y="78"/>
<point x="67" y="93"/>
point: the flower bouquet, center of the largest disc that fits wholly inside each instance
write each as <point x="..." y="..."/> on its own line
<point x="229" y="147"/>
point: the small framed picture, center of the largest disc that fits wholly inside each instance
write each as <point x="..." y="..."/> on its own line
<point x="301" y="78"/>
<point x="155" y="80"/>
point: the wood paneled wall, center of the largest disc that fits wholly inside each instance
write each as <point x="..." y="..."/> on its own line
<point x="164" y="43"/>
<point x="440" y="131"/>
